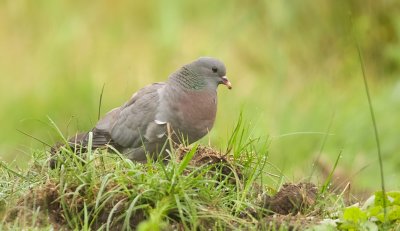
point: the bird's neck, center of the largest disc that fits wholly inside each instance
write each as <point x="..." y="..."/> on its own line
<point x="187" y="79"/>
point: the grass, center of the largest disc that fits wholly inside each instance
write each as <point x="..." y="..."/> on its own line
<point x="290" y="79"/>
<point x="106" y="191"/>
<point x="371" y="109"/>
<point x="199" y="189"/>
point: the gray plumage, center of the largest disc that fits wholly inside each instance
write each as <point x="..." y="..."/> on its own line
<point x="187" y="101"/>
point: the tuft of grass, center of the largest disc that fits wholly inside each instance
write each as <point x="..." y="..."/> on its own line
<point x="106" y="191"/>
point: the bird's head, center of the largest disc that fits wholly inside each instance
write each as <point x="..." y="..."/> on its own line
<point x="203" y="72"/>
<point x="211" y="69"/>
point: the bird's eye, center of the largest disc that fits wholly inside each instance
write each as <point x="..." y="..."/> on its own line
<point x="214" y="69"/>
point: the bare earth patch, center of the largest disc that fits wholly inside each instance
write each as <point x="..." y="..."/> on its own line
<point x="292" y="198"/>
<point x="289" y="207"/>
<point x="206" y="156"/>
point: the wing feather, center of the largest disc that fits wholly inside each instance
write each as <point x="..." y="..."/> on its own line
<point x="136" y="116"/>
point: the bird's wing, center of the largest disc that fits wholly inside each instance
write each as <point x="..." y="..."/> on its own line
<point x="136" y="120"/>
<point x="101" y="132"/>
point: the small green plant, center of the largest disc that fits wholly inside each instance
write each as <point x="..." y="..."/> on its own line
<point x="370" y="216"/>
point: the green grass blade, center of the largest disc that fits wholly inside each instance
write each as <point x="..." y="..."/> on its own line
<point x="329" y="178"/>
<point x="371" y="109"/>
<point x="186" y="159"/>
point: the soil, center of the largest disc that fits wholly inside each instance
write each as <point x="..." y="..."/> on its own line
<point x="206" y="156"/>
<point x="287" y="222"/>
<point x="290" y="207"/>
<point x="48" y="195"/>
<point x="292" y="199"/>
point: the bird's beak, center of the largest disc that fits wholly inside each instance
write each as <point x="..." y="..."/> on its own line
<point x="226" y="82"/>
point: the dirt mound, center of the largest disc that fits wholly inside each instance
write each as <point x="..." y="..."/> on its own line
<point x="292" y="199"/>
<point x="54" y="206"/>
<point x="56" y="203"/>
<point x="44" y="197"/>
<point x="206" y="156"/>
<point x="288" y="209"/>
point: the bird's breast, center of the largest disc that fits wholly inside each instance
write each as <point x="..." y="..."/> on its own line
<point x="196" y="113"/>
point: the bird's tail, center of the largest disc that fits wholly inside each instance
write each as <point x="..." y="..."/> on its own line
<point x="77" y="143"/>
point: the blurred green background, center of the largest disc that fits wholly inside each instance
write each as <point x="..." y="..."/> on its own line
<point x="293" y="64"/>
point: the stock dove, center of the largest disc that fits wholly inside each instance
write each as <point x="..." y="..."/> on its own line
<point x="187" y="101"/>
